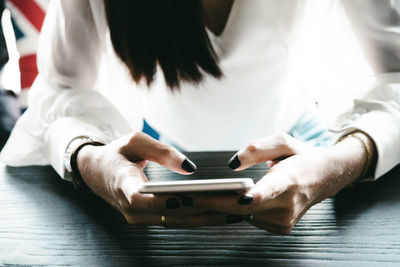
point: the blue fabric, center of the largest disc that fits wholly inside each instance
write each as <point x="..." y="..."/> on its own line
<point x="150" y="131"/>
<point x="310" y="128"/>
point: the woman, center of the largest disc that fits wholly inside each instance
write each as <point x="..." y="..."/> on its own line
<point x="219" y="80"/>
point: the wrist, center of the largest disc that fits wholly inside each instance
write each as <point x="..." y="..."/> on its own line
<point x="71" y="160"/>
<point x="84" y="160"/>
<point x="368" y="153"/>
<point x="355" y="154"/>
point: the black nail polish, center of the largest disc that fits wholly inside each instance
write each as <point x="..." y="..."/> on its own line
<point x="188" y="166"/>
<point x="245" y="200"/>
<point x="234" y="219"/>
<point x="186" y="201"/>
<point x="234" y="162"/>
<point x="172" y="203"/>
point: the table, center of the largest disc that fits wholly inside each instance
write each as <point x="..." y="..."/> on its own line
<point x="43" y="221"/>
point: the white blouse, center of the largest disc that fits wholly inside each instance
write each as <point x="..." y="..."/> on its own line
<point x="259" y="95"/>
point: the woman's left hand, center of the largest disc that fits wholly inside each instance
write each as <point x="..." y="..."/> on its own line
<point x="300" y="176"/>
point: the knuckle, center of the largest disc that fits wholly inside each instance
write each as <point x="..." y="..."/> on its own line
<point x="257" y="197"/>
<point x="284" y="231"/>
<point x="283" y="141"/>
<point x="276" y="191"/>
<point x="165" y="153"/>
<point x="118" y="178"/>
<point x="137" y="136"/>
<point x="287" y="222"/>
<point x="294" y="182"/>
<point x="291" y="197"/>
<point x="253" y="148"/>
<point x="291" y="202"/>
<point x="284" y="147"/>
<point x="289" y="218"/>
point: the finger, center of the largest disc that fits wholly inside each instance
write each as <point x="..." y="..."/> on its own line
<point x="190" y="221"/>
<point x="243" y="204"/>
<point x="160" y="204"/>
<point x="275" y="190"/>
<point x="202" y="219"/>
<point x="270" y="192"/>
<point x="279" y="221"/>
<point x="144" y="218"/>
<point x="285" y="218"/>
<point x="272" y="163"/>
<point x="130" y="180"/>
<point x="280" y="217"/>
<point x="143" y="147"/>
<point x="273" y="228"/>
<point x="156" y="204"/>
<point x="226" y="203"/>
<point x="235" y="204"/>
<point x="272" y="148"/>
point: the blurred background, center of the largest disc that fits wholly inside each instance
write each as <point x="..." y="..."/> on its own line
<point x="10" y="75"/>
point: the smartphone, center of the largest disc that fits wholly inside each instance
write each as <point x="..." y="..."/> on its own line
<point x="193" y="186"/>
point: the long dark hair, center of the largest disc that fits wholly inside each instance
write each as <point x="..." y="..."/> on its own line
<point x="168" y="33"/>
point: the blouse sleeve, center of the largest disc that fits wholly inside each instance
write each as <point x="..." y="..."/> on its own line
<point x="63" y="102"/>
<point x="377" y="24"/>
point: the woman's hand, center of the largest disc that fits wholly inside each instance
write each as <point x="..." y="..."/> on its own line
<point x="300" y="176"/>
<point x="115" y="173"/>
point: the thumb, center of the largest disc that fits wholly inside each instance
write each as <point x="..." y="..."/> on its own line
<point x="143" y="147"/>
<point x="272" y="148"/>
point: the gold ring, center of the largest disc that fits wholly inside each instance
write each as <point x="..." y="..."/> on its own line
<point x="163" y="220"/>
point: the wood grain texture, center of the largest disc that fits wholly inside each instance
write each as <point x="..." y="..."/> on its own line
<point x="43" y="221"/>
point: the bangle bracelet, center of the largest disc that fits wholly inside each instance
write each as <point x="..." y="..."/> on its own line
<point x="365" y="142"/>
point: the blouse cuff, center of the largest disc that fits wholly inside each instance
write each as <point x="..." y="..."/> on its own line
<point x="60" y="134"/>
<point x="383" y="129"/>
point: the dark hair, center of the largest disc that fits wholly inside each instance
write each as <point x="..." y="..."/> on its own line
<point x="168" y="33"/>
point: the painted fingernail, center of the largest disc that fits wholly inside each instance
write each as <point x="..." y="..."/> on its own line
<point x="188" y="166"/>
<point x="186" y="201"/>
<point x="234" y="162"/>
<point x="245" y="199"/>
<point x="234" y="219"/>
<point x="172" y="203"/>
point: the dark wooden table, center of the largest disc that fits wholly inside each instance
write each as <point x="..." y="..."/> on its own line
<point x="43" y="221"/>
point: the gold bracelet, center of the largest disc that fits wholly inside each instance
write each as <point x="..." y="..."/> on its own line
<point x="364" y="140"/>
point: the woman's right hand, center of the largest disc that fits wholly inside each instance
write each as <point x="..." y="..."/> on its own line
<point x="115" y="173"/>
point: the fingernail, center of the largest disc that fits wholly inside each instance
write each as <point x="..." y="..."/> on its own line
<point x="245" y="199"/>
<point x="186" y="201"/>
<point x="234" y="219"/>
<point x="188" y="166"/>
<point x="234" y="162"/>
<point x="172" y="203"/>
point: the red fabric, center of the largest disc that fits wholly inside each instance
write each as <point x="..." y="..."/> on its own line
<point x="28" y="69"/>
<point x="32" y="11"/>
